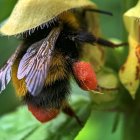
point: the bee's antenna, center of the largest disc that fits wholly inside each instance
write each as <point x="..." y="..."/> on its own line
<point x="97" y="11"/>
<point x="109" y="43"/>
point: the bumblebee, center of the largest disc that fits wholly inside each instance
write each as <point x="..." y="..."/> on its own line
<point x="48" y="56"/>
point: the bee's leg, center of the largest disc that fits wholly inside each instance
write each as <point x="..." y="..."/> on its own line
<point x="86" y="37"/>
<point x="70" y="112"/>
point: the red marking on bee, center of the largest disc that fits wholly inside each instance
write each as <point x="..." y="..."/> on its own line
<point x="85" y="75"/>
<point x="43" y="115"/>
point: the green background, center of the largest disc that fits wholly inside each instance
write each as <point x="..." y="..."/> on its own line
<point x="99" y="126"/>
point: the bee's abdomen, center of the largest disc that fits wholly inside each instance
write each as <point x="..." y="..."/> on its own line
<point x="52" y="96"/>
<point x="56" y="87"/>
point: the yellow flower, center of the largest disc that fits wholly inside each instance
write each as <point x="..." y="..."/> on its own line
<point x="130" y="71"/>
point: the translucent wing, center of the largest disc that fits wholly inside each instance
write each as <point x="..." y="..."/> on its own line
<point x="35" y="63"/>
<point x="25" y="62"/>
<point x="4" y="76"/>
<point x="5" y="71"/>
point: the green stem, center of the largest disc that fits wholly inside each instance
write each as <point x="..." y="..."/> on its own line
<point x="131" y="126"/>
<point x="132" y="119"/>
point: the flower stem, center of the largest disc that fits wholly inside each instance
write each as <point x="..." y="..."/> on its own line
<point x="131" y="127"/>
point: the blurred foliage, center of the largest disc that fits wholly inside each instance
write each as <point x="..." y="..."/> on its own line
<point x="63" y="127"/>
<point x="6" y="7"/>
<point x="8" y="101"/>
<point x="100" y="124"/>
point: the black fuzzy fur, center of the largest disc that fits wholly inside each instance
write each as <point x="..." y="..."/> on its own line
<point x="51" y="96"/>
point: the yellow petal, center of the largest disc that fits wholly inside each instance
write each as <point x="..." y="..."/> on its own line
<point x="29" y="14"/>
<point x="129" y="73"/>
<point x="132" y="21"/>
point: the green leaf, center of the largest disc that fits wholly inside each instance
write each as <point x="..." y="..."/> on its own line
<point x="21" y="124"/>
<point x="99" y="126"/>
<point x="6" y="7"/>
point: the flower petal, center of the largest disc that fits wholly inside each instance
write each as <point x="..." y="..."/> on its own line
<point x="132" y="21"/>
<point x="129" y="72"/>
